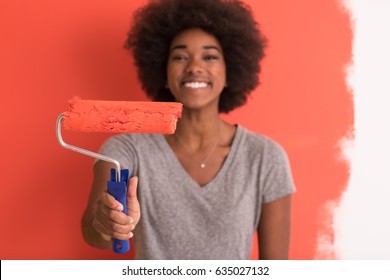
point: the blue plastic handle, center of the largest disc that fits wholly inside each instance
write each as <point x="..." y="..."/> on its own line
<point x="119" y="191"/>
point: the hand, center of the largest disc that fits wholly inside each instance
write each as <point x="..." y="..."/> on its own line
<point x="110" y="221"/>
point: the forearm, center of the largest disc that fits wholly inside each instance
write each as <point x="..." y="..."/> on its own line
<point x="274" y="247"/>
<point x="90" y="235"/>
<point x="274" y="229"/>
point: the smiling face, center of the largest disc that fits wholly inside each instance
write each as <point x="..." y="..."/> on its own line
<point x="196" y="69"/>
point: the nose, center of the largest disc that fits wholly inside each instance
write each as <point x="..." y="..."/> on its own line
<point x="194" y="66"/>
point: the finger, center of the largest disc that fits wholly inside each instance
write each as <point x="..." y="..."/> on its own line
<point x="110" y="201"/>
<point x="107" y="234"/>
<point x="133" y="207"/>
<point x="132" y="189"/>
<point x="106" y="237"/>
<point x="108" y="217"/>
<point x="106" y="226"/>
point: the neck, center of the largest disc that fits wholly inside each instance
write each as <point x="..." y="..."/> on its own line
<point x="199" y="138"/>
<point x="199" y="130"/>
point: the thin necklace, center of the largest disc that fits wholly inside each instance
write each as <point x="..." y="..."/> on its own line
<point x="203" y="163"/>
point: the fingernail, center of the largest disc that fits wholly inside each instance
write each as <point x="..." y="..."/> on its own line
<point x="119" y="207"/>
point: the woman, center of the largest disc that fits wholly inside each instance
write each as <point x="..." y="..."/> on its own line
<point x="206" y="189"/>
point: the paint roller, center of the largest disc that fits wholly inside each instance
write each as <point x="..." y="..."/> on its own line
<point x="117" y="117"/>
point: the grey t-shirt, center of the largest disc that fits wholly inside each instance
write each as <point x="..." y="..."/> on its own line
<point x="180" y="219"/>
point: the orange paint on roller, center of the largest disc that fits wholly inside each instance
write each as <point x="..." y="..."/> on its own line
<point x="119" y="117"/>
<point x="122" y="116"/>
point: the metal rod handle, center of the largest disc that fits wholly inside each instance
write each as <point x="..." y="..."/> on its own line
<point x="83" y="151"/>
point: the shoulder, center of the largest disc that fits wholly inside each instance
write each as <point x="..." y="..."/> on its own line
<point x="130" y="149"/>
<point x="257" y="143"/>
<point x="130" y="142"/>
<point x="274" y="166"/>
<point x="132" y="139"/>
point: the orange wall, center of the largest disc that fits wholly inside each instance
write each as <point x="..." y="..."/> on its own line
<point x="52" y="50"/>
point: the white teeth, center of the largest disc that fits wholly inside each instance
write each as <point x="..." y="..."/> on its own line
<point x="195" y="85"/>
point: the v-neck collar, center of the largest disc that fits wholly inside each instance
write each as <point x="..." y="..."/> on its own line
<point x="175" y="163"/>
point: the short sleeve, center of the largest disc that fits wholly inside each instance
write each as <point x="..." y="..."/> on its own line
<point x="122" y="149"/>
<point x="277" y="180"/>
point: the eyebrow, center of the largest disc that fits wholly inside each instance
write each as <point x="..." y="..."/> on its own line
<point x="206" y="47"/>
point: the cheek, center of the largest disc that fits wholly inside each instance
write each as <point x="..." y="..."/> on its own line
<point x="221" y="74"/>
<point x="172" y="73"/>
<point x="172" y="80"/>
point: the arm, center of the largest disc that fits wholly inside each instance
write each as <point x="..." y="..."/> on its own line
<point x="274" y="229"/>
<point x="103" y="219"/>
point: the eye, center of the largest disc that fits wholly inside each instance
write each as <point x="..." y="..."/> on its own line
<point x="179" y="57"/>
<point x="211" y="57"/>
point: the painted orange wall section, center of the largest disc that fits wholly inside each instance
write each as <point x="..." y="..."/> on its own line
<point x="52" y="50"/>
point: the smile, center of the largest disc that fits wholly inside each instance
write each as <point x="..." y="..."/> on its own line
<point x="195" y="85"/>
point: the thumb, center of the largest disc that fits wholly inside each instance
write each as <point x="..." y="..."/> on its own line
<point x="133" y="207"/>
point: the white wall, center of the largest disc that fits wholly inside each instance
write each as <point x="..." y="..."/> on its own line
<point x="362" y="219"/>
